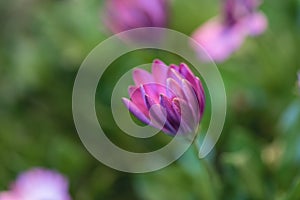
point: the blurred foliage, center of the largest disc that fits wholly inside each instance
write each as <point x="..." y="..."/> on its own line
<point x="258" y="156"/>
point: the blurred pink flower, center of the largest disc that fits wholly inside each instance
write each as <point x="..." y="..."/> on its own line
<point x="38" y="184"/>
<point x="7" y="196"/>
<point x="122" y="15"/>
<point x="172" y="96"/>
<point x="298" y="82"/>
<point x="223" y="35"/>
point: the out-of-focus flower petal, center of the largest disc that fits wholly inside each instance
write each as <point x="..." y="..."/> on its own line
<point x="37" y="184"/>
<point x="256" y="23"/>
<point x="128" y="14"/>
<point x="223" y="35"/>
<point x="218" y="40"/>
<point x="8" y="196"/>
<point x="298" y="80"/>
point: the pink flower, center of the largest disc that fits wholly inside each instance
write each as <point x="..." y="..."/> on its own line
<point x="221" y="36"/>
<point x="122" y="15"/>
<point x="38" y="184"/>
<point x="7" y="196"/>
<point x="298" y="82"/>
<point x="170" y="98"/>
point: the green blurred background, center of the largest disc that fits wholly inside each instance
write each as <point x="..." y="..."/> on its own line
<point x="258" y="156"/>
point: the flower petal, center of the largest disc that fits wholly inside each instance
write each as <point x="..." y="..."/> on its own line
<point x="8" y="196"/>
<point x="41" y="184"/>
<point x="200" y="95"/>
<point x="256" y="23"/>
<point x="149" y="102"/>
<point x="174" y="74"/>
<point x="131" y="89"/>
<point x="159" y="120"/>
<point x="218" y="41"/>
<point x="172" y="117"/>
<point x="191" y="98"/>
<point x="187" y="73"/>
<point x="135" y="111"/>
<point x="188" y="123"/>
<point x="159" y="71"/>
<point x="196" y="84"/>
<point x="137" y="97"/>
<point x="174" y="89"/>
<point x="141" y="76"/>
<point x="153" y="90"/>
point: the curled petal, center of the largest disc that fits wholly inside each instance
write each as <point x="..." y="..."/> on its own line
<point x="137" y="97"/>
<point x="159" y="120"/>
<point x="200" y="94"/>
<point x="174" y="89"/>
<point x="154" y="90"/>
<point x="135" y="111"/>
<point x="187" y="121"/>
<point x="159" y="71"/>
<point x="149" y="101"/>
<point x="191" y="98"/>
<point x="174" y="74"/>
<point x="187" y="73"/>
<point x="172" y="117"/>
